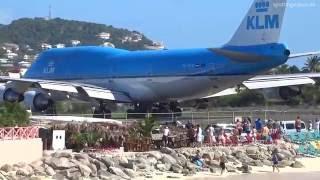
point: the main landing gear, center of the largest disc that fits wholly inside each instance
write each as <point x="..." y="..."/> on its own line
<point x="102" y="111"/>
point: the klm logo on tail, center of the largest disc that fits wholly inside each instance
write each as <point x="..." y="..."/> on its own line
<point x="263" y="21"/>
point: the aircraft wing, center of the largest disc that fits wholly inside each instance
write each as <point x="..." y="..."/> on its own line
<point x="307" y="54"/>
<point x="84" y="90"/>
<point x="272" y="81"/>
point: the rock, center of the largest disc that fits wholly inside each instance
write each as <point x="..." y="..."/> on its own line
<point x="94" y="170"/>
<point x="213" y="170"/>
<point x="103" y="174"/>
<point x="226" y="150"/>
<point x="107" y="161"/>
<point x="168" y="159"/>
<point x="252" y="149"/>
<point x="25" y="171"/>
<point x="167" y="150"/>
<point x="49" y="170"/>
<point x="155" y="154"/>
<point x="297" y="164"/>
<point x="36" y="164"/>
<point x="285" y="163"/>
<point x="81" y="156"/>
<point x="39" y="170"/>
<point x="152" y="161"/>
<point x="185" y="172"/>
<point x="100" y="165"/>
<point x="230" y="168"/>
<point x="84" y="170"/>
<point x="214" y="163"/>
<point x="207" y="156"/>
<point x="266" y="162"/>
<point x="190" y="166"/>
<point x="129" y="172"/>
<point x="217" y="154"/>
<point x="161" y="167"/>
<point x="75" y="176"/>
<point x="129" y="165"/>
<point x="62" y="154"/>
<point x="58" y="176"/>
<point x="176" y="168"/>
<point x="118" y="172"/>
<point x="6" y="168"/>
<point x="123" y="160"/>
<point x="245" y="168"/>
<point x="142" y="165"/>
<point x="286" y="154"/>
<point x="61" y="163"/>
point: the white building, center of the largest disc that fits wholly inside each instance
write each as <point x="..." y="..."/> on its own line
<point x="11" y="55"/>
<point x="108" y="44"/>
<point x="59" y="45"/>
<point x="104" y="35"/>
<point x="75" y="42"/>
<point x="3" y="60"/>
<point x="45" y="46"/>
<point x="24" y="64"/>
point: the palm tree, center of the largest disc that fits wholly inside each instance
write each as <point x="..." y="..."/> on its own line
<point x="312" y="64"/>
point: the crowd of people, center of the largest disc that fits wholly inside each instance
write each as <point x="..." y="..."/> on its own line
<point x="242" y="131"/>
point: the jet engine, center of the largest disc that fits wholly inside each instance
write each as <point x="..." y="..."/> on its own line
<point x="37" y="100"/>
<point x="9" y="95"/>
<point x="281" y="93"/>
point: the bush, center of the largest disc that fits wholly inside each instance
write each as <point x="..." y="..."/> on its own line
<point x="13" y="114"/>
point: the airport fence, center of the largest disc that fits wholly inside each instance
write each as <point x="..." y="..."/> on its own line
<point x="208" y="117"/>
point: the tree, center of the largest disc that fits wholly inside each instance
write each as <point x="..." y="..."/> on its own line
<point x="312" y="64"/>
<point x="13" y="114"/>
<point x="286" y="69"/>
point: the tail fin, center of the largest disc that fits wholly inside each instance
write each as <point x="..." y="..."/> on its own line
<point x="262" y="24"/>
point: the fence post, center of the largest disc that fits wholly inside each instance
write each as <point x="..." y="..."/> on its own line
<point x="208" y="117"/>
<point x="192" y="117"/>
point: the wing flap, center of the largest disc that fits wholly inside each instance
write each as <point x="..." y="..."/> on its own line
<point x="270" y="83"/>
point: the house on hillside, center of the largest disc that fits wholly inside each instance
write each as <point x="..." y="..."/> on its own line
<point x="59" y="45"/>
<point x="45" y="46"/>
<point x="104" y="35"/>
<point x="75" y="42"/>
<point x="10" y="46"/>
<point x="11" y="55"/>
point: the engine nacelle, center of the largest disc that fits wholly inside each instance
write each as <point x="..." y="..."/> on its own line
<point x="281" y="93"/>
<point x="37" y="100"/>
<point x="9" y="95"/>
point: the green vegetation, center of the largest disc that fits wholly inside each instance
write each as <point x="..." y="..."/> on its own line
<point x="13" y="114"/>
<point x="143" y="128"/>
<point x="33" y="32"/>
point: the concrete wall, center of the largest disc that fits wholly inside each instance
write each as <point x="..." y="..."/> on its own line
<point x="14" y="151"/>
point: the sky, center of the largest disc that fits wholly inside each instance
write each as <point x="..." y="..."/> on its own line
<point x="177" y="23"/>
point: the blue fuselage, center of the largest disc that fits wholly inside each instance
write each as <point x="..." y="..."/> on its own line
<point x="158" y="75"/>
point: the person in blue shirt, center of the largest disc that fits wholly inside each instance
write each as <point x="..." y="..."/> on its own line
<point x="258" y="125"/>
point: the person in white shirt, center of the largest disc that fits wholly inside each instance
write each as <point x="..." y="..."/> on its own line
<point x="165" y="137"/>
<point x="211" y="135"/>
<point x="199" y="134"/>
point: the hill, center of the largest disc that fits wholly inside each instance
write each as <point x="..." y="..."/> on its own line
<point x="27" y="32"/>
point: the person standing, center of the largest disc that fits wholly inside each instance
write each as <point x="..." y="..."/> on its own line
<point x="275" y="160"/>
<point x="258" y="125"/>
<point x="199" y="135"/>
<point x="317" y="124"/>
<point x="165" y="137"/>
<point x="298" y="124"/>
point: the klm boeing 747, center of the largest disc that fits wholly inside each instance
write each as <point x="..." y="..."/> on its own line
<point x="144" y="78"/>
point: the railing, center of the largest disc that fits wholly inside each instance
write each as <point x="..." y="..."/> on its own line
<point x="208" y="117"/>
<point x="14" y="133"/>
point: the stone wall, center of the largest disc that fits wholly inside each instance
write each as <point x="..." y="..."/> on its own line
<point x="24" y="150"/>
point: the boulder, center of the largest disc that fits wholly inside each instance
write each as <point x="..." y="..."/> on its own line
<point x="85" y="170"/>
<point x="167" y="150"/>
<point x="252" y="149"/>
<point x="266" y="162"/>
<point x="61" y="163"/>
<point x="129" y="172"/>
<point x="217" y="154"/>
<point x="152" y="161"/>
<point x="103" y="174"/>
<point x="39" y="170"/>
<point x="99" y="165"/>
<point x="62" y="154"/>
<point x="181" y="159"/>
<point x="6" y="168"/>
<point x="168" y="159"/>
<point x="230" y="168"/>
<point x="155" y="154"/>
<point x="94" y="170"/>
<point x="49" y="170"/>
<point x="176" y="168"/>
<point x="207" y="156"/>
<point x="297" y="164"/>
<point x="123" y="160"/>
<point x="285" y="163"/>
<point x="118" y="172"/>
<point x="214" y="163"/>
<point x="161" y="167"/>
<point x="25" y="171"/>
<point x="226" y="150"/>
<point x="59" y="176"/>
<point x="129" y="165"/>
<point x="81" y="156"/>
<point x="190" y="166"/>
<point x="107" y="161"/>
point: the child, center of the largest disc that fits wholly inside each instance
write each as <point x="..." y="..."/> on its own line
<point x="275" y="160"/>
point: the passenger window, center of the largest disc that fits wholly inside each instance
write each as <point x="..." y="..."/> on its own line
<point x="289" y="126"/>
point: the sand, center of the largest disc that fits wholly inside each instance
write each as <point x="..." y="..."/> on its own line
<point x="311" y="171"/>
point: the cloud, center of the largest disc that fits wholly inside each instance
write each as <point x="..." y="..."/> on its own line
<point x="6" y="16"/>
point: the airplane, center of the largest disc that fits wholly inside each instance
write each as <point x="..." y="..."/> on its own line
<point x="157" y="80"/>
